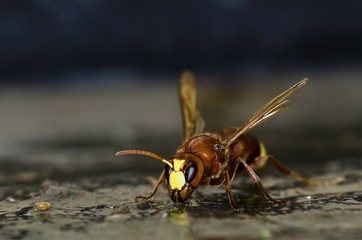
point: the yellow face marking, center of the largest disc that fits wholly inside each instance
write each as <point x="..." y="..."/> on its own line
<point x="177" y="180"/>
<point x="177" y="177"/>
<point x="178" y="164"/>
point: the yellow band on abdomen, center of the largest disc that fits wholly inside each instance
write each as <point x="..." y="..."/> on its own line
<point x="263" y="153"/>
<point x="262" y="150"/>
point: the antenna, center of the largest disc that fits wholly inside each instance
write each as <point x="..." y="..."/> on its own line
<point x="143" y="152"/>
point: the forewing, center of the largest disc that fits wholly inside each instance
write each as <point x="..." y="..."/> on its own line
<point x="192" y="121"/>
<point x="268" y="110"/>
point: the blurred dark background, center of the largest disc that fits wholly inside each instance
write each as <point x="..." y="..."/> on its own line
<point x="48" y="41"/>
<point x="80" y="80"/>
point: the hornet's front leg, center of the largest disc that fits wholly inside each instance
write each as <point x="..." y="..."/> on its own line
<point x="232" y="202"/>
<point x="160" y="180"/>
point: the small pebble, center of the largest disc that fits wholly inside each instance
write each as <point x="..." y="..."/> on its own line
<point x="42" y="206"/>
<point x="11" y="199"/>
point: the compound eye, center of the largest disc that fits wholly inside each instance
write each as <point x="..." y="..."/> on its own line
<point x="190" y="173"/>
<point x="168" y="171"/>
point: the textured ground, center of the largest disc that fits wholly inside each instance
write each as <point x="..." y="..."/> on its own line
<point x="58" y="146"/>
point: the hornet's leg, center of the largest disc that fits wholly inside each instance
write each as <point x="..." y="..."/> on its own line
<point x="256" y="180"/>
<point x="160" y="180"/>
<point x="232" y="202"/>
<point x="286" y="171"/>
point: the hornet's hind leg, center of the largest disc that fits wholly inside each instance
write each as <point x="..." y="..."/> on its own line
<point x="284" y="170"/>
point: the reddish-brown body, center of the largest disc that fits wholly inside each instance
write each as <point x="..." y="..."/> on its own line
<point x="209" y="148"/>
<point x="214" y="158"/>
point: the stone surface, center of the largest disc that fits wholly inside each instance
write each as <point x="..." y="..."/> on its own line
<point x="58" y="146"/>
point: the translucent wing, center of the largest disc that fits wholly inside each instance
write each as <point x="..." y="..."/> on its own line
<point x="192" y="121"/>
<point x="268" y="110"/>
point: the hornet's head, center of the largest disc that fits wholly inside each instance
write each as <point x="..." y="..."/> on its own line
<point x="183" y="173"/>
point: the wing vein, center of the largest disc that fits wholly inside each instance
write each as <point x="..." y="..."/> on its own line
<point x="272" y="107"/>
